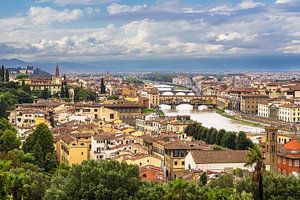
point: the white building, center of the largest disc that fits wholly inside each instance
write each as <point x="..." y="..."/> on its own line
<point x="216" y="161"/>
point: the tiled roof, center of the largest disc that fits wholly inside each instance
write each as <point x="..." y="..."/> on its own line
<point x="224" y="156"/>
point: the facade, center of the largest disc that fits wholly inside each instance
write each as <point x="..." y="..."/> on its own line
<point x="72" y="149"/>
<point x="216" y="161"/>
<point x="289" y="113"/>
<point x="288" y="158"/>
<point x="249" y="102"/>
<point x="97" y="111"/>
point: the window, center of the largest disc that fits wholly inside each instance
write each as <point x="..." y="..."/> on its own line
<point x="278" y="159"/>
<point x="296" y="163"/>
<point x="290" y="162"/>
<point x="175" y="163"/>
<point x="284" y="172"/>
<point x="111" y="116"/>
<point x="279" y="171"/>
<point x="284" y="160"/>
<point x="82" y="153"/>
<point x="182" y="163"/>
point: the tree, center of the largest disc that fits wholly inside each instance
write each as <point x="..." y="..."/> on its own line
<point x="242" y="142"/>
<point x="213" y="135"/>
<point x="224" y="181"/>
<point x="5" y="125"/>
<point x="203" y="179"/>
<point x="102" y="87"/>
<point x="97" y="180"/>
<point x="151" y="191"/>
<point x="3" y="108"/>
<point x="6" y="75"/>
<point x="41" y="144"/>
<point x="178" y="190"/>
<point x="219" y="136"/>
<point x="62" y="90"/>
<point x="45" y="94"/>
<point x="255" y="158"/>
<point x="9" y="141"/>
<point x="67" y="94"/>
<point x="2" y="73"/>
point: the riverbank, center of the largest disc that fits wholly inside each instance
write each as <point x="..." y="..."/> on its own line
<point x="236" y="118"/>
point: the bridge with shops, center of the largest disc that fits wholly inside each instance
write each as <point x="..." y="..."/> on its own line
<point x="195" y="101"/>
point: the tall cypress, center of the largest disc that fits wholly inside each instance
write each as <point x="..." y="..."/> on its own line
<point x="62" y="90"/>
<point x="102" y="87"/>
<point x="2" y="73"/>
<point x="7" y="76"/>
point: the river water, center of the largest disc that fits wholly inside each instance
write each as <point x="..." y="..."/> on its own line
<point x="209" y="118"/>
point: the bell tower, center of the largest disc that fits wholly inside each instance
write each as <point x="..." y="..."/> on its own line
<point x="271" y="145"/>
<point x="57" y="71"/>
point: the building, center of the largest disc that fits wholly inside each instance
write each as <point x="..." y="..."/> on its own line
<point x="270" y="146"/>
<point x="27" y="117"/>
<point x="288" y="158"/>
<point x="216" y="161"/>
<point x="175" y="153"/>
<point x="96" y="111"/>
<point x="154" y="98"/>
<point x="72" y="149"/>
<point x="249" y="102"/>
<point x="289" y="112"/>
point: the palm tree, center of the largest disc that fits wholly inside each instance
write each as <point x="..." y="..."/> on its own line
<point x="178" y="190"/>
<point x="255" y="158"/>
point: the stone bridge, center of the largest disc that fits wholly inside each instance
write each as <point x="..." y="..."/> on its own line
<point x="195" y="101"/>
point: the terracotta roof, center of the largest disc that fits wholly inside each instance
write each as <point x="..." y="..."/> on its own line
<point x="225" y="156"/>
<point x="293" y="145"/>
<point x="255" y="95"/>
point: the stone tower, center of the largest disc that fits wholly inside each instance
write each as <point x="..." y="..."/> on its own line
<point x="57" y="71"/>
<point x="271" y="145"/>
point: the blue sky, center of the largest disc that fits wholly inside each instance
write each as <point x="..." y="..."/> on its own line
<point x="93" y="30"/>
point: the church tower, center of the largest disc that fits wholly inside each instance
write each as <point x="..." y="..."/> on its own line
<point x="271" y="145"/>
<point x="57" y="71"/>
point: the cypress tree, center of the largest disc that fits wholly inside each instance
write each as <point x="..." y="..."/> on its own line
<point x="6" y="75"/>
<point x="102" y="87"/>
<point x="62" y="90"/>
<point x="2" y="73"/>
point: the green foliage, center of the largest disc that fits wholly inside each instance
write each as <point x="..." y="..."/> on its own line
<point x="41" y="144"/>
<point x="81" y="94"/>
<point x="9" y="141"/>
<point x="224" y="181"/>
<point x="45" y="94"/>
<point x="151" y="191"/>
<point x="97" y="180"/>
<point x="149" y="110"/>
<point x="159" y="77"/>
<point x="114" y="97"/>
<point x="243" y="142"/>
<point x="21" y="76"/>
<point x="203" y="179"/>
<point x="221" y="137"/>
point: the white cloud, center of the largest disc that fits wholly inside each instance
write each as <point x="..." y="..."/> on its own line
<point x="82" y="2"/>
<point x="46" y="15"/>
<point x="121" y="8"/>
<point x="246" y="4"/>
<point x="285" y="1"/>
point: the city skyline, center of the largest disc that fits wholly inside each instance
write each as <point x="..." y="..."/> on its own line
<point x="64" y="30"/>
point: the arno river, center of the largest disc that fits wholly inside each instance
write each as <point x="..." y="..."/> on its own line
<point x="210" y="119"/>
<point x="207" y="118"/>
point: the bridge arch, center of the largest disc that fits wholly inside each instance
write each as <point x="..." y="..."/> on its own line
<point x="180" y="93"/>
<point x="167" y="93"/>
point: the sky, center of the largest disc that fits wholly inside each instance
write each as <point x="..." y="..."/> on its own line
<point x="94" y="30"/>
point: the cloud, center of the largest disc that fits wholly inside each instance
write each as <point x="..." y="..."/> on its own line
<point x="285" y="1"/>
<point x="45" y="15"/>
<point x="78" y="2"/>
<point x="152" y="31"/>
<point x="121" y="8"/>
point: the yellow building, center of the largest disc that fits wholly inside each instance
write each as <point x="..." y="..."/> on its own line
<point x="174" y="155"/>
<point x="26" y="117"/>
<point x="249" y="102"/>
<point x="289" y="112"/>
<point x="154" y="97"/>
<point x="73" y="149"/>
<point x="97" y="111"/>
<point x="140" y="160"/>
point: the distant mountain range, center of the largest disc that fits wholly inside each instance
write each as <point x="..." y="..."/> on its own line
<point x="207" y="64"/>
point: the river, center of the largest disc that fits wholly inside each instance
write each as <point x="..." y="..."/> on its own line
<point x="207" y="118"/>
<point x="210" y="119"/>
